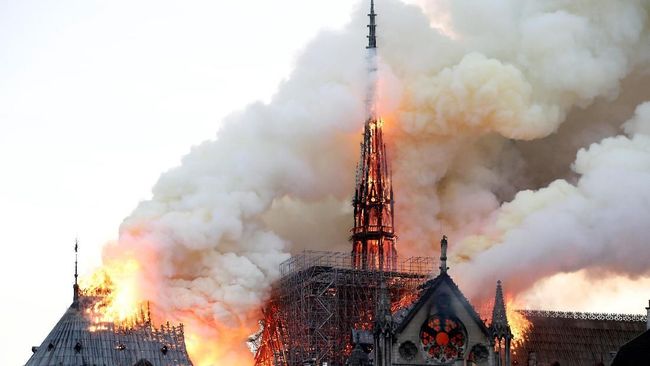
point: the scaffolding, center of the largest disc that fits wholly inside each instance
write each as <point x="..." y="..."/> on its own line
<point x="321" y="297"/>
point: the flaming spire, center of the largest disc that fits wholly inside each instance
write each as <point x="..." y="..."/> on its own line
<point x="373" y="237"/>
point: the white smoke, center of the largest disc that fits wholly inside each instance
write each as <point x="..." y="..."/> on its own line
<point x="600" y="223"/>
<point x="482" y="101"/>
<point x="204" y="238"/>
<point x="514" y="71"/>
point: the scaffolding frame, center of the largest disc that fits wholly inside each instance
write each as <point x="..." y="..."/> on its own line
<point x="321" y="297"/>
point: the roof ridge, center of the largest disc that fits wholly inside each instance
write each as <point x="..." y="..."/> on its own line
<point x="582" y="315"/>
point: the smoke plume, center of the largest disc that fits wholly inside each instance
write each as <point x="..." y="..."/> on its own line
<point x="486" y="104"/>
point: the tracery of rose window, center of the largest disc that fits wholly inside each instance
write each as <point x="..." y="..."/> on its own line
<point x="443" y="338"/>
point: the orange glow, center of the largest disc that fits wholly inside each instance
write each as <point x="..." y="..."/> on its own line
<point x="519" y="325"/>
<point x="202" y="355"/>
<point x="405" y="301"/>
<point x="116" y="290"/>
<point x="211" y="344"/>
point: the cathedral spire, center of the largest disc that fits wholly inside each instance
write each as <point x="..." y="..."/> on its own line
<point x="373" y="237"/>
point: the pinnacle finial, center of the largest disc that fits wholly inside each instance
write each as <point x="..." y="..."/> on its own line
<point x="500" y="327"/>
<point x="76" y="260"/>
<point x="75" y="287"/>
<point x="372" y="27"/>
<point x="443" y="255"/>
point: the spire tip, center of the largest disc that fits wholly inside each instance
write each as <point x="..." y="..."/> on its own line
<point x="75" y="287"/>
<point x="372" y="27"/>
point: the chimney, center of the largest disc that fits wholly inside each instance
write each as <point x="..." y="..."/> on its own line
<point x="648" y="317"/>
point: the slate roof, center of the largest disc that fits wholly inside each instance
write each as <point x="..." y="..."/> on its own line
<point x="72" y="343"/>
<point x="577" y="339"/>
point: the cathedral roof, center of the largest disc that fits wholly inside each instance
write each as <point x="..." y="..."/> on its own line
<point x="74" y="341"/>
<point x="577" y="339"/>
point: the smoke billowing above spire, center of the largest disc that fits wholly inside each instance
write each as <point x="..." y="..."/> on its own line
<point x="508" y="135"/>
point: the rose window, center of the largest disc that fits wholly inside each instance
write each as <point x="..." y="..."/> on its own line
<point x="443" y="338"/>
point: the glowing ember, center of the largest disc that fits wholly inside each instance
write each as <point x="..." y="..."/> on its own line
<point x="405" y="301"/>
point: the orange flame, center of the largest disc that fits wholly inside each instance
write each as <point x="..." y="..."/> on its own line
<point x="209" y="348"/>
<point x="520" y="326"/>
<point x="116" y="290"/>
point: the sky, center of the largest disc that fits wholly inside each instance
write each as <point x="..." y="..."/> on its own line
<point x="97" y="98"/>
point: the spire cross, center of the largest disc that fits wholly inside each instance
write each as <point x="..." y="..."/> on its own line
<point x="443" y="254"/>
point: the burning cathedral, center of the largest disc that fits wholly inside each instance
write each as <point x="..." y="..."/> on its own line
<point x="370" y="307"/>
<point x="364" y="307"/>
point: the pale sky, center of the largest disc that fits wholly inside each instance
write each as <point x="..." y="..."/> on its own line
<point x="97" y="98"/>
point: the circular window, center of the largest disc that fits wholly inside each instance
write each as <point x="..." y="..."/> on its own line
<point x="408" y="350"/>
<point x="443" y="338"/>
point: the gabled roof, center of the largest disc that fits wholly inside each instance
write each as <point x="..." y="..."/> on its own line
<point x="429" y="288"/>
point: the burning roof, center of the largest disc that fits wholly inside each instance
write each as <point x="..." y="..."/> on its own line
<point x="79" y="339"/>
